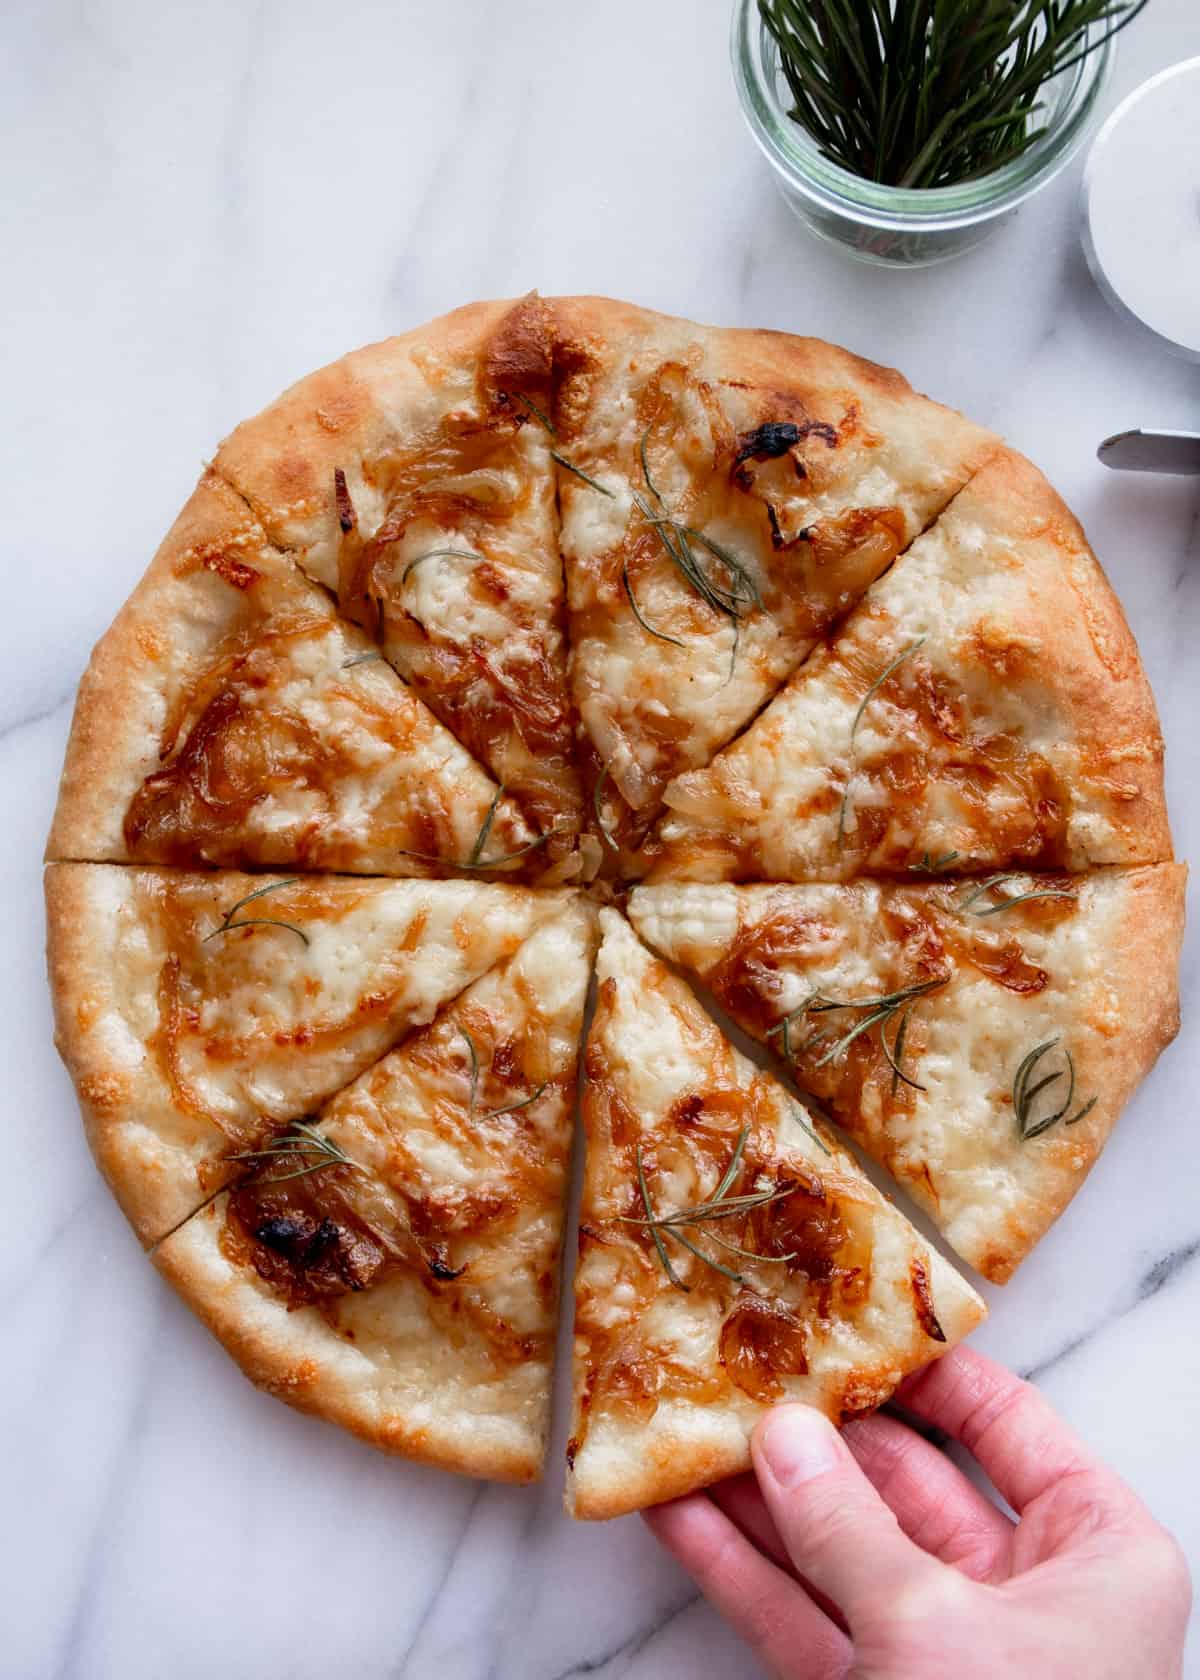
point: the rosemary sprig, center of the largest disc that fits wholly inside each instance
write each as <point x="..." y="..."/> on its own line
<point x="926" y="93"/>
<point x="1026" y="1092"/>
<point x="1014" y="898"/>
<point x="303" y="1140"/>
<point x="597" y="807"/>
<point x="933" y="865"/>
<point x="228" y="925"/>
<point x="801" y="1120"/>
<point x="437" y="554"/>
<point x="720" y="1205"/>
<point x="360" y="659"/>
<point x="593" y="483"/>
<point x="659" y="635"/>
<point x="883" y="676"/>
<point x="515" y="1107"/>
<point x="539" y="415"/>
<point x="739" y="595"/>
<point x="477" y="859"/>
<point x="473" y="1060"/>
<point x="546" y="424"/>
<point x="879" y="1013"/>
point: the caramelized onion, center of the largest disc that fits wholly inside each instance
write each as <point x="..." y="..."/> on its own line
<point x="761" y="1341"/>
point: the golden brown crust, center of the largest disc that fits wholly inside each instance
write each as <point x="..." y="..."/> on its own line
<point x="297" y="1358"/>
<point x="119" y="709"/>
<point x="182" y="1050"/>
<point x="118" y="1087"/>
<point x="1139" y="1023"/>
<point x="230" y="717"/>
<point x="1089" y="658"/>
<point x="430" y="442"/>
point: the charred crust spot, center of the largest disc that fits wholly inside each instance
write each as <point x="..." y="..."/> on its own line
<point x="439" y="1269"/>
<point x="347" y="518"/>
<point x="572" y="1450"/>
<point x="778" y="540"/>
<point x="923" y="1296"/>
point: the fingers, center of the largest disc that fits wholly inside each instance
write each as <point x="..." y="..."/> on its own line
<point x="838" y="1532"/>
<point x="935" y="1504"/>
<point x="1016" y="1435"/>
<point x="742" y="1502"/>
<point x="771" y="1612"/>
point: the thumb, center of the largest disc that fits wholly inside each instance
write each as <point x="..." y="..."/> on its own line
<point x="838" y="1532"/>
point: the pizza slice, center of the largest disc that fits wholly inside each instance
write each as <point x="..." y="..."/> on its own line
<point x="726" y="495"/>
<point x="197" y="1013"/>
<point x="983" y="708"/>
<point x="393" y="1265"/>
<point x="414" y="478"/>
<point x="731" y="1254"/>
<point x="230" y="716"/>
<point x="979" y="1038"/>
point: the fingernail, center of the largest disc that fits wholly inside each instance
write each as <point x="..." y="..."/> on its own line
<point x="798" y="1443"/>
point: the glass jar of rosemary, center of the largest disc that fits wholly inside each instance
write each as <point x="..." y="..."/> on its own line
<point x="907" y="226"/>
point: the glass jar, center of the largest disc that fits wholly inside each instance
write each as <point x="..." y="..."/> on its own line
<point x="902" y="226"/>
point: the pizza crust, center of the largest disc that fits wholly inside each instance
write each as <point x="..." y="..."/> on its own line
<point x="660" y="1071"/>
<point x="223" y="638"/>
<point x="1102" y="976"/>
<point x="1014" y="725"/>
<point x="437" y="439"/>
<point x="405" y="1365"/>
<point x="814" y="520"/>
<point x="263" y="1032"/>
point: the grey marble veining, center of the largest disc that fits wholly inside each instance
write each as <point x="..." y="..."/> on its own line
<point x="203" y="203"/>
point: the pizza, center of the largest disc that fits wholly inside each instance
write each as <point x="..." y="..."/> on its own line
<point x="553" y="625"/>
<point x="732" y="1253"/>
<point x="977" y="1038"/>
<point x="983" y="705"/>
<point x="393" y="1263"/>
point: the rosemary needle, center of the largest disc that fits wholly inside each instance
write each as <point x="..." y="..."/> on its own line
<point x="719" y="1206"/>
<point x="228" y="925"/>
<point x="858" y="717"/>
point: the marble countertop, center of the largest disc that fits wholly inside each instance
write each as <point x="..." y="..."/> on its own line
<point x="204" y="202"/>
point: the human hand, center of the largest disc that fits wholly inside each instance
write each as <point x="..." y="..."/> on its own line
<point x="871" y="1555"/>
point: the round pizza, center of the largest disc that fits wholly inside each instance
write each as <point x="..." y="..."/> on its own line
<point x="524" y="719"/>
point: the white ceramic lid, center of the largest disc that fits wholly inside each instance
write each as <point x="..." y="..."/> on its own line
<point x="1141" y="196"/>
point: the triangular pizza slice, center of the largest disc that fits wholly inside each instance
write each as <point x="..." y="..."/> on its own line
<point x="984" y="707"/>
<point x="979" y="1038"/>
<point x="414" y="478"/>
<point x="230" y="716"/>
<point x="197" y="1013"/>
<point x="731" y="1254"/>
<point x="726" y="495"/>
<point x="393" y="1264"/>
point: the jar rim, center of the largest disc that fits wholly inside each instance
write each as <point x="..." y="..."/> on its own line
<point x="794" y="154"/>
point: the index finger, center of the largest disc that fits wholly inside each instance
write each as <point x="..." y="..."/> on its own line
<point x="1014" y="1432"/>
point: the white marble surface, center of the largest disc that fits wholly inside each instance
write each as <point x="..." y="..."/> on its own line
<point x="203" y="202"/>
